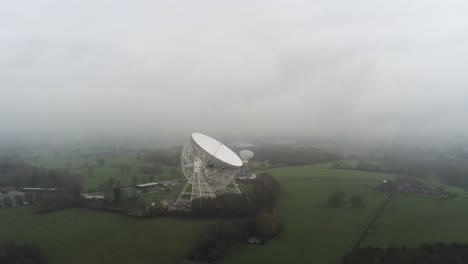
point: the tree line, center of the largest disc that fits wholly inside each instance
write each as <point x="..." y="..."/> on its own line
<point x="15" y="173"/>
<point x="438" y="253"/>
<point x="337" y="199"/>
<point x="10" y="253"/>
<point x="254" y="212"/>
<point x="289" y="156"/>
<point x="450" y="168"/>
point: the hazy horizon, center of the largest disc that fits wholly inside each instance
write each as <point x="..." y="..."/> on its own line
<point x="377" y="70"/>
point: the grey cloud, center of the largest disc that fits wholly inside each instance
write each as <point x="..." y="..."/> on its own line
<point x="383" y="69"/>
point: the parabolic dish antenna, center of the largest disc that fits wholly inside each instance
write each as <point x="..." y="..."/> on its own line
<point x="246" y="155"/>
<point x="210" y="168"/>
<point x="216" y="150"/>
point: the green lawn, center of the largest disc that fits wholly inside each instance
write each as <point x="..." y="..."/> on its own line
<point x="410" y="221"/>
<point x="314" y="233"/>
<point x="100" y="238"/>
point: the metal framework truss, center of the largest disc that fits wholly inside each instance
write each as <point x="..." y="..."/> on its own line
<point x="206" y="178"/>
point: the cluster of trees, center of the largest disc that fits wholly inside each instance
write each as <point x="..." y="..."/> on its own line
<point x="14" y="173"/>
<point x="337" y="199"/>
<point x="289" y="156"/>
<point x="60" y="201"/>
<point x="217" y="238"/>
<point x="257" y="206"/>
<point x="263" y="197"/>
<point x="450" y="167"/>
<point x="438" y="253"/>
<point x="10" y="253"/>
<point x="341" y="164"/>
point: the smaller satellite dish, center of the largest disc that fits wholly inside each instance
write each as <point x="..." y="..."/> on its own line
<point x="246" y="155"/>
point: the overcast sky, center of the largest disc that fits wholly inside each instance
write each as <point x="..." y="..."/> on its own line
<point x="372" y="68"/>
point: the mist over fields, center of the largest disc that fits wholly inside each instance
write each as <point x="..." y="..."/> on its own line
<point x="367" y="70"/>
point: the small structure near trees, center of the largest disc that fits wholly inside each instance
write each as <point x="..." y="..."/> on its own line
<point x="12" y="199"/>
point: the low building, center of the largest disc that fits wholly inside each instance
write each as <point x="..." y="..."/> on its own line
<point x="169" y="183"/>
<point x="12" y="199"/>
<point x="35" y="194"/>
<point x="161" y="184"/>
<point x="247" y="178"/>
<point x="93" y="196"/>
<point x="34" y="189"/>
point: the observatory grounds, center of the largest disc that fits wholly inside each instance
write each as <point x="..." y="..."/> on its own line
<point x="313" y="233"/>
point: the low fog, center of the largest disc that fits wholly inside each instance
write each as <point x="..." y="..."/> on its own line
<point x="366" y="69"/>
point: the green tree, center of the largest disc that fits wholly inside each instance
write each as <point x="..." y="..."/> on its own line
<point x="336" y="199"/>
<point x="135" y="179"/>
<point x="116" y="195"/>
<point x="267" y="225"/>
<point x="356" y="201"/>
<point x="111" y="182"/>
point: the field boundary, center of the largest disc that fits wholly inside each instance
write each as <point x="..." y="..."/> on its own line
<point x="373" y="220"/>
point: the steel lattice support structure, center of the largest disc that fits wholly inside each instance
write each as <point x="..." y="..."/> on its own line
<point x="206" y="177"/>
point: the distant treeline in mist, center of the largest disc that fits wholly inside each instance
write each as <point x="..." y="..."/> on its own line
<point x="450" y="167"/>
<point x="438" y="253"/>
<point x="167" y="157"/>
<point x="15" y="173"/>
<point x="274" y="154"/>
<point x="289" y="156"/>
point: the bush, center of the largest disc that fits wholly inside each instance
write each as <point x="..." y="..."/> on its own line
<point x="266" y="225"/>
<point x="262" y="198"/>
<point x="10" y="253"/>
<point x="59" y="202"/>
<point x="266" y="192"/>
<point x="217" y="239"/>
<point x="336" y="199"/>
<point x="356" y="201"/>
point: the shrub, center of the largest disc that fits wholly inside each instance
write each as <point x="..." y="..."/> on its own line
<point x="336" y="199"/>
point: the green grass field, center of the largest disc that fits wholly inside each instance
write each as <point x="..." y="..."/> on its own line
<point x="313" y="232"/>
<point x="100" y="238"/>
<point x="410" y="221"/>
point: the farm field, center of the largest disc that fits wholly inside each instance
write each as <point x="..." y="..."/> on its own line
<point x="313" y="232"/>
<point x="410" y="221"/>
<point x="101" y="238"/>
<point x="100" y="175"/>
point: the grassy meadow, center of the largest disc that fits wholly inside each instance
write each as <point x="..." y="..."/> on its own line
<point x="313" y="233"/>
<point x="83" y="236"/>
<point x="410" y="221"/>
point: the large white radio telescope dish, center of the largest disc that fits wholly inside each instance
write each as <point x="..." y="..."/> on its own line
<point x="210" y="168"/>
